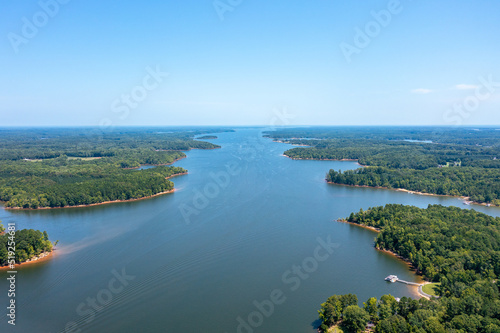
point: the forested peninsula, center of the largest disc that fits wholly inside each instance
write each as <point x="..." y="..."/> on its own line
<point x="458" y="248"/>
<point x="443" y="161"/>
<point x="55" y="168"/>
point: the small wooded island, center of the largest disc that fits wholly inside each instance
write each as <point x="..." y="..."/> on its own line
<point x="21" y="246"/>
<point x="456" y="247"/>
<point x="55" y="168"/>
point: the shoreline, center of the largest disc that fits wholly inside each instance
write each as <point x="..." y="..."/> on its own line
<point x="183" y="150"/>
<point x="26" y="263"/>
<point x="293" y="144"/>
<point x="203" y="148"/>
<point x="326" y="159"/>
<point x="104" y="202"/>
<point x="377" y="230"/>
<point x="465" y="199"/>
<point x="416" y="290"/>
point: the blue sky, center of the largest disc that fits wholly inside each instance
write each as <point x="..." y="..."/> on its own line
<point x="249" y="62"/>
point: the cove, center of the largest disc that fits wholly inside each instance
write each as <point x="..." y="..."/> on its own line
<point x="259" y="254"/>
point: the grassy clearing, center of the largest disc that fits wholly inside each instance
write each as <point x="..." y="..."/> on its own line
<point x="430" y="288"/>
<point x="335" y="329"/>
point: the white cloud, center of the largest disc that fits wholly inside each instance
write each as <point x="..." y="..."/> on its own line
<point x="465" y="87"/>
<point x="421" y="91"/>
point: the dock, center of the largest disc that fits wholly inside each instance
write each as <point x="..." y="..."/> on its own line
<point x="394" y="278"/>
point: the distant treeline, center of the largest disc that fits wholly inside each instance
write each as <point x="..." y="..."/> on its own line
<point x="70" y="167"/>
<point x="43" y="143"/>
<point x="398" y="155"/>
<point x="484" y="136"/>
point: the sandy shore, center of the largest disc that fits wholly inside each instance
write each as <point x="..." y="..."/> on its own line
<point x="360" y="225"/>
<point x="204" y="148"/>
<point x="191" y="148"/>
<point x="177" y="174"/>
<point x="325" y="159"/>
<point x="104" y="202"/>
<point x="419" y="193"/>
<point x="293" y="144"/>
<point x="397" y="189"/>
<point x="45" y="258"/>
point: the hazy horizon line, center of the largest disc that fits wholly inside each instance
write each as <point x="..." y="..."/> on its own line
<point x="237" y="126"/>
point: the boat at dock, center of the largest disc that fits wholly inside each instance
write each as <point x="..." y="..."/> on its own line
<point x="392" y="278"/>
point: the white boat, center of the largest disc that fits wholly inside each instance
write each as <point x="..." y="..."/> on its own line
<point x="392" y="278"/>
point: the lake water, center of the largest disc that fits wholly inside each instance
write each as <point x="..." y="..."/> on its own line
<point x="244" y="229"/>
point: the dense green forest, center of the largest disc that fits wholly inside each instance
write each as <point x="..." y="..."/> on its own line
<point x="481" y="185"/>
<point x="29" y="243"/>
<point x="79" y="166"/>
<point x="483" y="136"/>
<point x="473" y="313"/>
<point x="419" y="156"/>
<point x="445" y="244"/>
<point x="63" y="182"/>
<point x="43" y="143"/>
<point x="453" y="161"/>
<point x="459" y="248"/>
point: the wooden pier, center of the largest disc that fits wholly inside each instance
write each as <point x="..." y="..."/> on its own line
<point x="410" y="283"/>
<point x="394" y="278"/>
